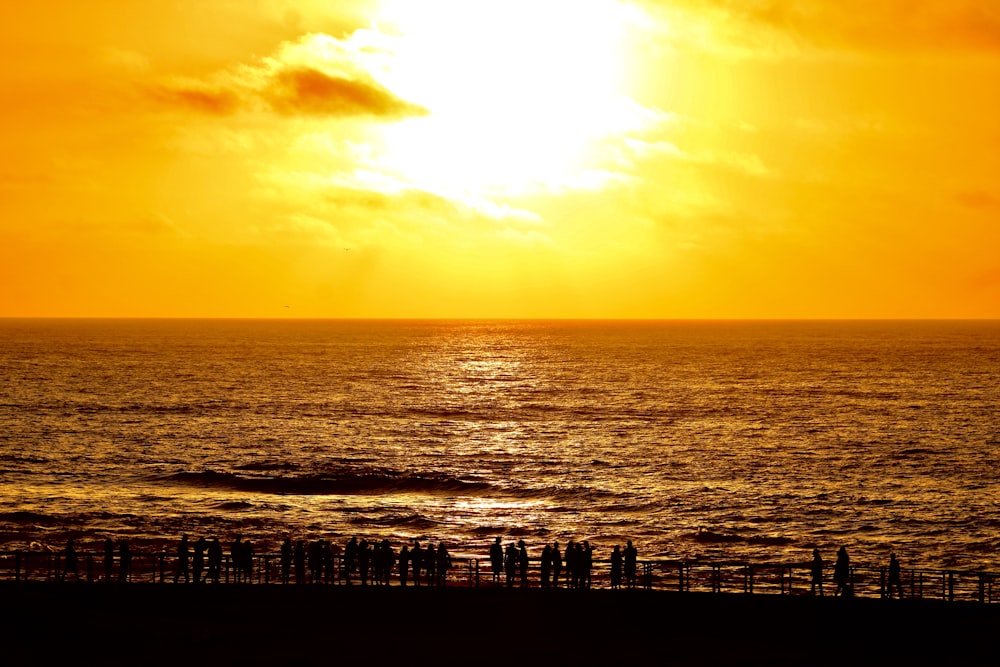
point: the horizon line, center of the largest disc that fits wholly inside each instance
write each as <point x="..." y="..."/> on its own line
<point x="237" y="318"/>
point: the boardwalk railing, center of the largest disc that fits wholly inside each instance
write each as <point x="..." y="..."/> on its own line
<point x="680" y="576"/>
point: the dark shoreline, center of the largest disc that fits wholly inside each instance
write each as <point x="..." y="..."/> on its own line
<point x="149" y="624"/>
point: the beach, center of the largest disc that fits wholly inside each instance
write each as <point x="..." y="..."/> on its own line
<point x="165" y="624"/>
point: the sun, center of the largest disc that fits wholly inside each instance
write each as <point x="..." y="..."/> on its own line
<point x="520" y="93"/>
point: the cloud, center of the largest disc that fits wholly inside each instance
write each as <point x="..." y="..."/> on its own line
<point x="312" y="92"/>
<point x="748" y="164"/>
<point x="193" y="97"/>
<point x="977" y="199"/>
<point x="317" y="75"/>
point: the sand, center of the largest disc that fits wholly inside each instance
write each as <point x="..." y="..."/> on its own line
<point x="159" y="624"/>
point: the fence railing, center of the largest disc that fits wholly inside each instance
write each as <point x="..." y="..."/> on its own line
<point x="668" y="575"/>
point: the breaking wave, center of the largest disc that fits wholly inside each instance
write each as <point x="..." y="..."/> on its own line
<point x="338" y="483"/>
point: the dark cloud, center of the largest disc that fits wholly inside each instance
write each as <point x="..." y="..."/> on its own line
<point x="312" y="92"/>
<point x="292" y="91"/>
<point x="219" y="102"/>
<point x="977" y="199"/>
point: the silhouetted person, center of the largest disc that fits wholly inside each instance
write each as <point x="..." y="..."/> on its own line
<point x="510" y="563"/>
<point x="842" y="573"/>
<point x="300" y="562"/>
<point x="286" y="560"/>
<point x="246" y="560"/>
<point x="416" y="561"/>
<point x="631" y="556"/>
<point x="572" y="576"/>
<point x="496" y="560"/>
<point x="364" y="560"/>
<point x="124" y="561"/>
<point x="198" y="562"/>
<point x="215" y="559"/>
<point x="557" y="564"/>
<point x="183" y="561"/>
<point x="387" y="558"/>
<point x="546" y="566"/>
<point x="109" y="559"/>
<point x="816" y="572"/>
<point x="350" y="559"/>
<point x="587" y="561"/>
<point x="616" y="567"/>
<point x="895" y="577"/>
<point x="430" y="564"/>
<point x="522" y="562"/>
<point x="404" y="564"/>
<point x="71" y="563"/>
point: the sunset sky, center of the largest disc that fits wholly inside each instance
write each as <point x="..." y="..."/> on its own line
<point x="500" y="158"/>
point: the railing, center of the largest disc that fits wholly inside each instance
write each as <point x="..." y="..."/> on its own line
<point x="667" y="575"/>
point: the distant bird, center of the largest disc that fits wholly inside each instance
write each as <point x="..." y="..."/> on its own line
<point x="286" y="306"/>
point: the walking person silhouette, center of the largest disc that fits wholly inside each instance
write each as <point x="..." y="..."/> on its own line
<point x="183" y="561"/>
<point x="816" y="572"/>
<point x="842" y="574"/>
<point x="496" y="560"/>
<point x="198" y="563"/>
<point x="71" y="563"/>
<point x="557" y="564"/>
<point x="631" y="554"/>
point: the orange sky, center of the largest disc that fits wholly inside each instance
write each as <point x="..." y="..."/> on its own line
<point x="500" y="158"/>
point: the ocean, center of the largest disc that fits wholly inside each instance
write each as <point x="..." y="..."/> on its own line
<point x="695" y="440"/>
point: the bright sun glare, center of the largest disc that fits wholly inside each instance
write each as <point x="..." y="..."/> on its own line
<point x="520" y="92"/>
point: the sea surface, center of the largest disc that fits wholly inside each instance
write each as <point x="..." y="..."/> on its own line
<point x="696" y="440"/>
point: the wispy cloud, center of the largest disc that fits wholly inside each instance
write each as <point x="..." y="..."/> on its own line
<point x="318" y="75"/>
<point x="977" y="199"/>
<point x="313" y="92"/>
<point x="199" y="98"/>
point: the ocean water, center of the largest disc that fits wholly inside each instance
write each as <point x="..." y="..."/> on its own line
<point x="696" y="440"/>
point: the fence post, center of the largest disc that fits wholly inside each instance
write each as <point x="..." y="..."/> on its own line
<point x="951" y="587"/>
<point x="881" y="582"/>
<point x="680" y="577"/>
<point x="17" y="565"/>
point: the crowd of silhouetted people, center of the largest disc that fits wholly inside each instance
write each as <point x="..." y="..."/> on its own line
<point x="363" y="561"/>
<point x="375" y="562"/>
<point x="572" y="567"/>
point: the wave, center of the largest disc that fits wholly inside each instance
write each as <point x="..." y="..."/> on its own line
<point x="234" y="505"/>
<point x="395" y="521"/>
<point x="33" y="518"/>
<point x="17" y="458"/>
<point x="266" y="465"/>
<point x="338" y="483"/>
<point x="915" y="451"/>
<point x="712" y="537"/>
